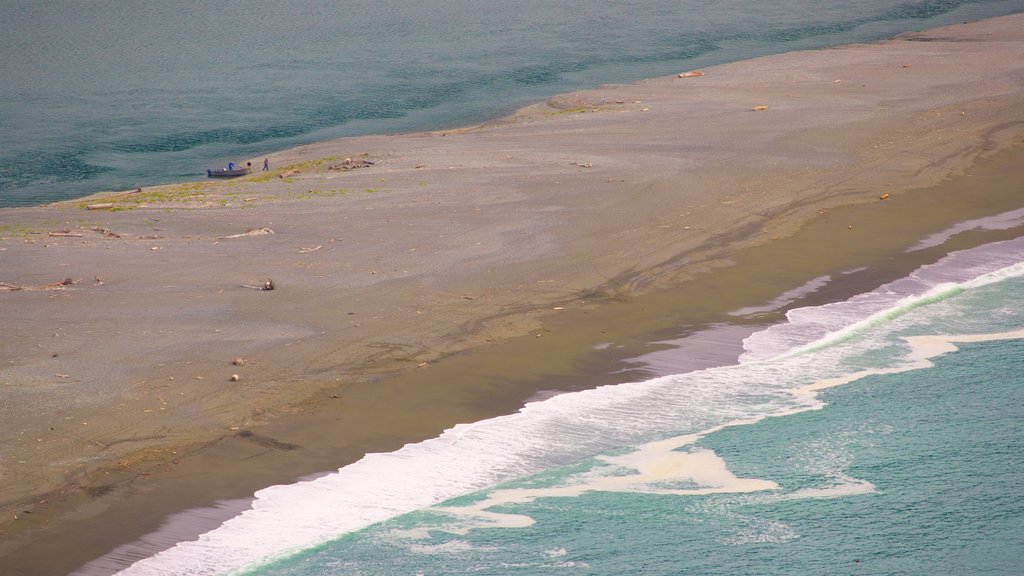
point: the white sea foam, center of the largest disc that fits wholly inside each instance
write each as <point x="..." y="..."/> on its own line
<point x="758" y="531"/>
<point x="449" y="547"/>
<point x="648" y="469"/>
<point x="816" y="327"/>
<point x="568" y="428"/>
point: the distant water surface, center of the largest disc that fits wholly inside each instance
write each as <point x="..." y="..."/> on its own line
<point x="112" y="94"/>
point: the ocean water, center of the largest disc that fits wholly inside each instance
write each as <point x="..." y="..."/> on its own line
<point x="879" y="435"/>
<point x="115" y="94"/>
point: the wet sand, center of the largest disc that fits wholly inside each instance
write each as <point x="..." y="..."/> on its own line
<point x="448" y="277"/>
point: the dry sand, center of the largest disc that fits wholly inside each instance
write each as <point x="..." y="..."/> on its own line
<point x="413" y="282"/>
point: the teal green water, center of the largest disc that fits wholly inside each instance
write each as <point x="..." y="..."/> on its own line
<point x="110" y="95"/>
<point x="942" y="447"/>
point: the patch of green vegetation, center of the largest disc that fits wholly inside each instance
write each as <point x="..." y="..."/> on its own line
<point x="573" y="110"/>
<point x="187" y="193"/>
<point x="18" y="231"/>
<point x="264" y="177"/>
<point x="323" y="193"/>
<point x="310" y="164"/>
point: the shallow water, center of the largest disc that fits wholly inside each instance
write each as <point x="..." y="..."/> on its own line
<point x="111" y="95"/>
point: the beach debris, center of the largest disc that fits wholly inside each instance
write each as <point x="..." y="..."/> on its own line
<point x="100" y="206"/>
<point x="5" y="287"/>
<point x="268" y="285"/>
<point x="238" y="361"/>
<point x="583" y="164"/>
<point x="759" y="108"/>
<point x="66" y="234"/>
<point x="266" y="441"/>
<point x="308" y="250"/>
<point x="234" y="378"/>
<point x="691" y="74"/>
<point x="287" y="173"/>
<point x="350" y="164"/>
<point x="884" y="196"/>
<point x="254" y="232"/>
<point x="105" y="231"/>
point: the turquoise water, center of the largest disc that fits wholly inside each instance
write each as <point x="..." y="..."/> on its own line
<point x="111" y="94"/>
<point x="880" y="435"/>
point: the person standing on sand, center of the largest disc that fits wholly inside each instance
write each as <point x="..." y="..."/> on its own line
<point x="266" y="164"/>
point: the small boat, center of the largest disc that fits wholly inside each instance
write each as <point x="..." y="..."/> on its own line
<point x="231" y="172"/>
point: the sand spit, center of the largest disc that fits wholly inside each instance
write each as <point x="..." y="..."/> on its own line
<point x="357" y="262"/>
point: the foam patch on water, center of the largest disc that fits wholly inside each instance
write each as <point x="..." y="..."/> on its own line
<point x="648" y="470"/>
<point x="761" y="532"/>
<point x="922" y="350"/>
<point x="449" y="547"/>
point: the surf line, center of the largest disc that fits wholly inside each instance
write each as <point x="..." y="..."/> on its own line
<point x="657" y="465"/>
<point x="922" y="350"/>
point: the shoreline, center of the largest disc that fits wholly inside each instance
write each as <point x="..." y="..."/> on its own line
<point x="444" y="280"/>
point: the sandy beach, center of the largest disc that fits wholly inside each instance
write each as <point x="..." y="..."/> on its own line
<point x="423" y="280"/>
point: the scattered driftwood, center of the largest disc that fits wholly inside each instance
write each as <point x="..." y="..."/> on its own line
<point x="691" y="74"/>
<point x="287" y="173"/>
<point x="759" y="108"/>
<point x="5" y="287"/>
<point x="350" y="164"/>
<point x="268" y="285"/>
<point x="66" y="234"/>
<point x="256" y="232"/>
<point x="308" y="250"/>
<point x="583" y="164"/>
<point x="100" y="206"/>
